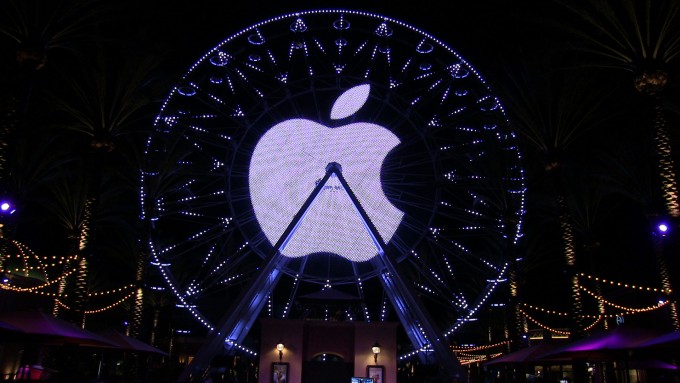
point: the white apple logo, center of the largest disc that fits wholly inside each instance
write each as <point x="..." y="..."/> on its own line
<point x="292" y="156"/>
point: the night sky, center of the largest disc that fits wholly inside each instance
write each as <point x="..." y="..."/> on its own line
<point x="522" y="48"/>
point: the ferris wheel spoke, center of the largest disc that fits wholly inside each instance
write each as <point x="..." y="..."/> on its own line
<point x="293" y="290"/>
<point x="451" y="182"/>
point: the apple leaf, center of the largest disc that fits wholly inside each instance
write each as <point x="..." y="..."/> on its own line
<point x="350" y="101"/>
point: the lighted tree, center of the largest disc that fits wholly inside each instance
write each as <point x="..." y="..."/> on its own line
<point x="109" y="103"/>
<point x="37" y="30"/>
<point x="591" y="205"/>
<point x="72" y="210"/>
<point x="551" y="112"/>
<point x="37" y="33"/>
<point x="627" y="177"/>
<point x="643" y="39"/>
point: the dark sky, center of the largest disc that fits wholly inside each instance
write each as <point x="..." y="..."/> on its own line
<point x="494" y="36"/>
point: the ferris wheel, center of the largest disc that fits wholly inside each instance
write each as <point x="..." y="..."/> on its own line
<point x="333" y="149"/>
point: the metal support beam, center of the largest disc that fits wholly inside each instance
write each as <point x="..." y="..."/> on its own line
<point x="419" y="326"/>
<point x="236" y="324"/>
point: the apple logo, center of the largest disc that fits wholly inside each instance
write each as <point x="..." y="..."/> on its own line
<point x="292" y="156"/>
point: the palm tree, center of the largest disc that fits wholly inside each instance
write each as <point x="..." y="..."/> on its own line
<point x="37" y="30"/>
<point x="591" y="205"/>
<point x="552" y="112"/>
<point x="109" y="104"/>
<point x="626" y="177"/>
<point x="71" y="209"/>
<point x="641" y="38"/>
<point x="108" y="100"/>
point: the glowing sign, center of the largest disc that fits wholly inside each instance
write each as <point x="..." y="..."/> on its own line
<point x="292" y="156"/>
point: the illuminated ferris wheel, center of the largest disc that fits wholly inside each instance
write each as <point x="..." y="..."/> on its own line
<point x="332" y="149"/>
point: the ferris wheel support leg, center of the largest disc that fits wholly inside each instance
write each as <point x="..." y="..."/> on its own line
<point x="419" y="326"/>
<point x="236" y="324"/>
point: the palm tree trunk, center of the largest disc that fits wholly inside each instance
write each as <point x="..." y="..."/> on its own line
<point x="669" y="191"/>
<point x="665" y="280"/>
<point x="80" y="292"/>
<point x="138" y="305"/>
<point x="154" y="327"/>
<point x="569" y="252"/>
<point x="669" y="187"/>
<point x="64" y="282"/>
<point x="601" y="307"/>
<point x="517" y="320"/>
<point x="81" y="285"/>
<point x="9" y="124"/>
<point x="589" y="252"/>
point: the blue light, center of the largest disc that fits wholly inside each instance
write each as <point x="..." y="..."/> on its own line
<point x="294" y="153"/>
<point x="662" y="228"/>
<point x="6" y="207"/>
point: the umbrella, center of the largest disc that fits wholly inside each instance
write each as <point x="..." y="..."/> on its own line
<point x="608" y="345"/>
<point x="670" y="340"/>
<point x="10" y="333"/>
<point x="127" y="343"/>
<point x="528" y="355"/>
<point x="53" y="330"/>
<point x="6" y="327"/>
<point x="647" y="364"/>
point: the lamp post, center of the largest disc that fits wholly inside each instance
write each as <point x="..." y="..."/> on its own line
<point x="376" y="351"/>
<point x="280" y="347"/>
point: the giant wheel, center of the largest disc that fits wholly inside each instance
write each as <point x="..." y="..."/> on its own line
<point x="249" y="131"/>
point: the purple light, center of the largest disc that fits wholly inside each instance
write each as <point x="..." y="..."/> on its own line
<point x="6" y="208"/>
<point x="292" y="156"/>
<point x="663" y="228"/>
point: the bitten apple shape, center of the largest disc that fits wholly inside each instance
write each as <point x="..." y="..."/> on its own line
<point x="292" y="156"/>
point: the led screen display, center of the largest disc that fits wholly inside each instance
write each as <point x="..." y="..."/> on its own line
<point x="291" y="158"/>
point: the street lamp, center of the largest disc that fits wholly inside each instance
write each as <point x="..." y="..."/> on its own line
<point x="280" y="347"/>
<point x="376" y="351"/>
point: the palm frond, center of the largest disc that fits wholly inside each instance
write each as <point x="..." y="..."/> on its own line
<point x="630" y="35"/>
<point x="553" y="111"/>
<point x="50" y="25"/>
<point x="69" y="197"/>
<point x="106" y="100"/>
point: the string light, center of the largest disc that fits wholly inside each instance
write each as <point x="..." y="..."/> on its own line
<point x="479" y="348"/>
<point x="541" y="325"/>
<point x="25" y="254"/>
<point x="102" y="293"/>
<point x="612" y="304"/>
<point x="626" y="285"/>
<point x="592" y="325"/>
<point x="35" y="288"/>
<point x="477" y="358"/>
<point x="598" y="319"/>
<point x="560" y="313"/>
<point x="112" y="305"/>
<point x="97" y="311"/>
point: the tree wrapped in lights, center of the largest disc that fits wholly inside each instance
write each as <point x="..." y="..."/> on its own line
<point x="643" y="39"/>
<point x="550" y="111"/>
<point x="73" y="211"/>
<point x="106" y="103"/>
